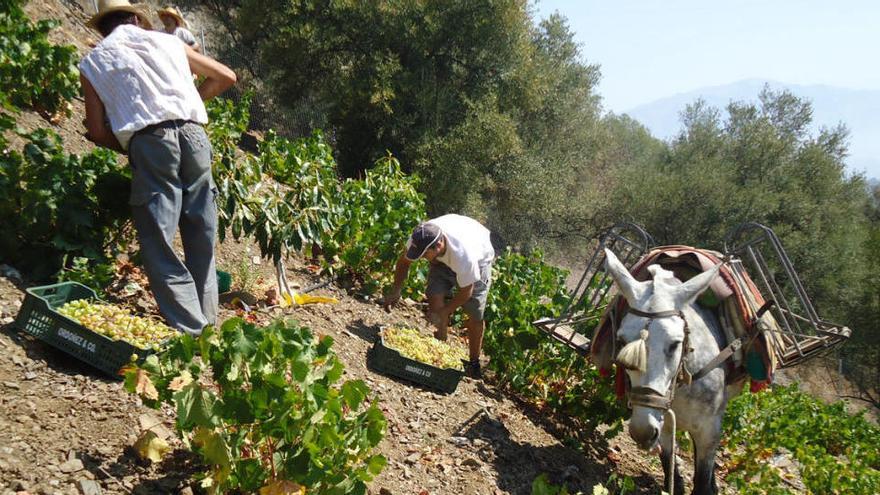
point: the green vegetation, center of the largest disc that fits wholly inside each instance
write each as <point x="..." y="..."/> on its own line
<point x="498" y="114"/>
<point x="554" y="377"/>
<point x="264" y="405"/>
<point x="290" y="213"/>
<point x="57" y="207"/>
<point x="34" y="73"/>
<point x="62" y="214"/>
<point x="614" y="486"/>
<point x="375" y="216"/>
<point x="835" y="452"/>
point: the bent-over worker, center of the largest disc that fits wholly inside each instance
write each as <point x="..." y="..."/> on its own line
<point x="460" y="254"/>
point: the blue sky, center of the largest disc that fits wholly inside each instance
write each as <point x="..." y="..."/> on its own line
<point x="652" y="49"/>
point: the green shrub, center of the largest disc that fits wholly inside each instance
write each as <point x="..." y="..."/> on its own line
<point x="837" y="452"/>
<point x="263" y="405"/>
<point x="524" y="289"/>
<point x="376" y="216"/>
<point x="95" y="274"/>
<point x="34" y="73"/>
<point x="56" y="205"/>
<point x="293" y="212"/>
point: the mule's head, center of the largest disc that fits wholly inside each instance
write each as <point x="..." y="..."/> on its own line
<point x="651" y="348"/>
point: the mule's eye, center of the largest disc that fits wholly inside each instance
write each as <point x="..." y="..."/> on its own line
<point x="672" y="348"/>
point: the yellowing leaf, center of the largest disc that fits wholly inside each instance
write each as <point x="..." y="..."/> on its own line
<point x="144" y="386"/>
<point x="180" y="381"/>
<point x="307" y="299"/>
<point x="292" y="297"/>
<point x="600" y="490"/>
<point x="283" y="487"/>
<point x="150" y="446"/>
<point x="216" y="452"/>
<point x="286" y="300"/>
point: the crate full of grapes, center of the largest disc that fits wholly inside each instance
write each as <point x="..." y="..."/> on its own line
<point x="70" y="317"/>
<point x="406" y="353"/>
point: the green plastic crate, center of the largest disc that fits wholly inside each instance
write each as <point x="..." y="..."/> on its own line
<point x="38" y="317"/>
<point x="387" y="360"/>
<point x="224" y="281"/>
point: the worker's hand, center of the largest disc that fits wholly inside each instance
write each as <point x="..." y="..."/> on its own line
<point x="390" y="298"/>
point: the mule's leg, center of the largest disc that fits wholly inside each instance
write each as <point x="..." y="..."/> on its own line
<point x="705" y="445"/>
<point x="667" y="456"/>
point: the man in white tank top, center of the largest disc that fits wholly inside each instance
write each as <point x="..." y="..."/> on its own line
<point x="140" y="99"/>
<point x="460" y="252"/>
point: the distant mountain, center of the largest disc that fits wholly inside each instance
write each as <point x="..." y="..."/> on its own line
<point x="858" y="109"/>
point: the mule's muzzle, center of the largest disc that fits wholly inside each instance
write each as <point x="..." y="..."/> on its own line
<point x="646" y="437"/>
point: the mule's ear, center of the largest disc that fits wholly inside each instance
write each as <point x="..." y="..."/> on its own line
<point x="631" y="288"/>
<point x="688" y="292"/>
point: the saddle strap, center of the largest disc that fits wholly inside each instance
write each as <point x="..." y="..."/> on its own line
<point x="722" y="356"/>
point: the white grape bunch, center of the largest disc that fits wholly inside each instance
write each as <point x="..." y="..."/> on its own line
<point x="412" y="344"/>
<point x="118" y="324"/>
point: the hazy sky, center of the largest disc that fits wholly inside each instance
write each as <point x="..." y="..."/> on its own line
<point x="649" y="49"/>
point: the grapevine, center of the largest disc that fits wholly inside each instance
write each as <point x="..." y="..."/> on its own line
<point x="414" y="345"/>
<point x="117" y="324"/>
<point x="266" y="409"/>
<point x="34" y="72"/>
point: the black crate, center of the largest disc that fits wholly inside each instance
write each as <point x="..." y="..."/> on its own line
<point x="388" y="360"/>
<point x="38" y="317"/>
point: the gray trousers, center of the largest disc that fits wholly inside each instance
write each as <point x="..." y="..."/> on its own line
<point x="442" y="280"/>
<point x="172" y="187"/>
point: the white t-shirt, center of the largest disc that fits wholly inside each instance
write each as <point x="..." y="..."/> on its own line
<point x="468" y="247"/>
<point x="142" y="78"/>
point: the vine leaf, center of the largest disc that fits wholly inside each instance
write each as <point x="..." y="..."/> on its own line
<point x="194" y="406"/>
<point x="283" y="487"/>
<point x="144" y="386"/>
<point x="180" y="381"/>
<point x="150" y="446"/>
<point x="216" y="452"/>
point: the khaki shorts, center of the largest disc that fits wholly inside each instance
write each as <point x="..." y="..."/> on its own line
<point x="442" y="280"/>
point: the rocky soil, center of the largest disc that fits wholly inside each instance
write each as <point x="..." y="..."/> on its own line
<point x="67" y="429"/>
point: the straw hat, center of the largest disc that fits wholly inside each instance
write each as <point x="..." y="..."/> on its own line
<point x="108" y="6"/>
<point x="173" y="12"/>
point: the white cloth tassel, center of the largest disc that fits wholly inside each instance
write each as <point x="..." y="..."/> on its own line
<point x="634" y="356"/>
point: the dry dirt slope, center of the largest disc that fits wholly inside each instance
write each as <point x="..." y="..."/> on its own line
<point x="66" y="429"/>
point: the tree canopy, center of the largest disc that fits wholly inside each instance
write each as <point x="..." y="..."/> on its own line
<point x="500" y="116"/>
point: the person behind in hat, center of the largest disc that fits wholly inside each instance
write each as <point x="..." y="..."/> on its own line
<point x="140" y="99"/>
<point x="460" y="254"/>
<point x="174" y="24"/>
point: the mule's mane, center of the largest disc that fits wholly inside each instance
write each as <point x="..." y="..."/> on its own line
<point x="662" y="275"/>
